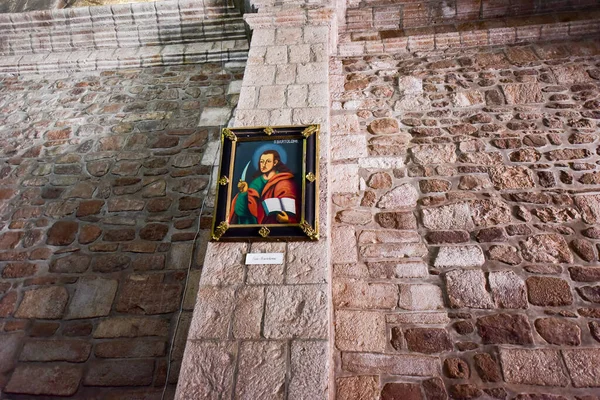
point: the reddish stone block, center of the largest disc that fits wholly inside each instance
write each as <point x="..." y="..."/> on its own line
<point x="89" y="233"/>
<point x="55" y="380"/>
<point x="139" y="247"/>
<point x="19" y="270"/>
<point x="77" y="329"/>
<point x="130" y="348"/>
<point x="119" y="235"/>
<point x="464" y="391"/>
<point x="8" y="303"/>
<point x="146" y="297"/>
<point x="89" y="207"/>
<point x="428" y="340"/>
<point x="401" y="391"/>
<point x="43" y="329"/>
<point x="58" y="134"/>
<point x="434" y="389"/>
<point x="158" y="205"/>
<point x="456" y="368"/>
<point x="122" y="204"/>
<point x="487" y="368"/>
<point x="73" y="263"/>
<point x="104" y="247"/>
<point x="9" y="240"/>
<point x="62" y="233"/>
<point x="558" y="331"/>
<point x="119" y="373"/>
<point x="44" y="303"/>
<point x="110" y="262"/>
<point x="56" y="350"/>
<point x="6" y="194"/>
<point x="547" y="291"/>
<point x="149" y="262"/>
<point x="189" y="203"/>
<point x="132" y="327"/>
<point x="154" y="232"/>
<point x="590" y="293"/>
<point x="505" y="328"/>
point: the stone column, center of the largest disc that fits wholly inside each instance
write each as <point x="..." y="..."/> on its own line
<point x="261" y="331"/>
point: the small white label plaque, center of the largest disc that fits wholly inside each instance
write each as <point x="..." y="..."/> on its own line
<point x="264" y="258"/>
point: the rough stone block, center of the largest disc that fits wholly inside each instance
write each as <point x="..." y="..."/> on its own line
<point x="349" y="147"/>
<point x="309" y="367"/>
<point x="248" y="312"/>
<point x="10" y="345"/>
<point x="117" y="327"/>
<point x="459" y="256"/>
<point x="583" y="366"/>
<point x="467" y="288"/>
<point x="434" y="154"/>
<point x="55" y="380"/>
<point x="223" y="264"/>
<point x="296" y="311"/>
<point x="453" y="216"/>
<point x="312" y="73"/>
<point x="214" y="116"/>
<point x="428" y="340"/>
<point x="420" y="297"/>
<point x="505" y="329"/>
<point x="271" y="97"/>
<point x="357" y="387"/>
<point x="559" y="331"/>
<point x="362" y="295"/>
<point x="307" y="262"/>
<point x="508" y="289"/>
<point x="405" y="364"/>
<point x="344" y="178"/>
<point x="214" y="310"/>
<point x="344" y="124"/>
<point x="546" y="248"/>
<point x="533" y="367"/>
<point x="261" y="370"/>
<point x="589" y="206"/>
<point x="523" y="93"/>
<point x="343" y="245"/>
<point x="360" y="331"/>
<point x="131" y="348"/>
<point x="405" y="195"/>
<point x="92" y="298"/>
<point x="207" y="370"/>
<point x="509" y="177"/>
<point x="119" y="373"/>
<point x="44" y="303"/>
<point x="148" y="297"/>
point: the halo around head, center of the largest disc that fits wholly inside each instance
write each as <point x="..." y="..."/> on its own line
<point x="265" y="147"/>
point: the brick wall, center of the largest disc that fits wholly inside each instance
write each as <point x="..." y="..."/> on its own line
<point x="465" y="213"/>
<point x="103" y="176"/>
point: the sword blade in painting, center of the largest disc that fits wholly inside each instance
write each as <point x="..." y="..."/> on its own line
<point x="243" y="177"/>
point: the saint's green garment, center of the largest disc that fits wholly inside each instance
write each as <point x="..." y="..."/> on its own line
<point x="241" y="204"/>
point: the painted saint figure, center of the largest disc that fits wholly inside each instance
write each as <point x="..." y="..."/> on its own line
<point x="270" y="198"/>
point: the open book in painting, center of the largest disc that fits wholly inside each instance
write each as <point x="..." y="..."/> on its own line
<point x="276" y="205"/>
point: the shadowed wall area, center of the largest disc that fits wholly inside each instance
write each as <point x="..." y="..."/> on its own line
<point x="103" y="179"/>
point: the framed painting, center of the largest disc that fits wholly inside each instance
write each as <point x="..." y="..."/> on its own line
<point x="267" y="187"/>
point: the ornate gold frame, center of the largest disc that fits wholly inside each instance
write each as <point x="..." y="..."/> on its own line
<point x="307" y="228"/>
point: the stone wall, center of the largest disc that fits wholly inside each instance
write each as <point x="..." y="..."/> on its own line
<point x="102" y="179"/>
<point x="261" y="331"/>
<point x="369" y="15"/>
<point x="465" y="223"/>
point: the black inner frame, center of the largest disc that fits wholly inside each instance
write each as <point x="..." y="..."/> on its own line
<point x="277" y="233"/>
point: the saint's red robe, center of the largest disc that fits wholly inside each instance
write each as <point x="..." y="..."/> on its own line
<point x="281" y="185"/>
